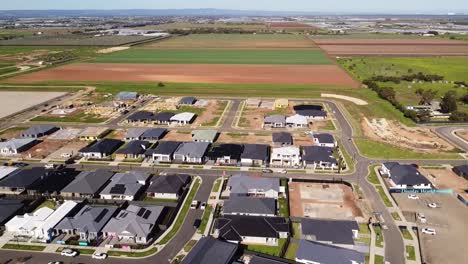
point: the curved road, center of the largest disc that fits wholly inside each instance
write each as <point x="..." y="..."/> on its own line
<point x="449" y="134"/>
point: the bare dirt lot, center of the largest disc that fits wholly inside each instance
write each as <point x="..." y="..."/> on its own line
<point x="393" y="47"/>
<point x="70" y="148"/>
<point x="417" y="139"/>
<point x="449" y="221"/>
<point x="44" y="149"/>
<point x="245" y="138"/>
<point x="315" y="200"/>
<point x="194" y="73"/>
<point x="446" y="179"/>
<point x="174" y="135"/>
<point x="462" y="133"/>
<point x="12" y="102"/>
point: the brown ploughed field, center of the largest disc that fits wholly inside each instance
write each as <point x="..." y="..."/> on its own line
<point x="194" y="73"/>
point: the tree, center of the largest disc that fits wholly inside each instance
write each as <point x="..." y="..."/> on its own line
<point x="424" y="116"/>
<point x="458" y="116"/>
<point x="427" y="96"/>
<point x="388" y="93"/>
<point x="464" y="99"/>
<point x="449" y="102"/>
<point x="419" y="91"/>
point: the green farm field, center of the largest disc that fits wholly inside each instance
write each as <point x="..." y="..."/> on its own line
<point x="311" y="57"/>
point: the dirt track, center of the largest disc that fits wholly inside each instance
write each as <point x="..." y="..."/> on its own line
<point x="194" y="73"/>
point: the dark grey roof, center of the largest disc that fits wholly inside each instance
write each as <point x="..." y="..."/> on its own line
<point x="140" y="116"/>
<point x="54" y="181"/>
<point x="88" y="219"/>
<point x="169" y="184"/>
<point x="153" y="133"/>
<point x="334" y="231"/>
<point x="462" y="169"/>
<point x="135" y="147"/>
<point x="234" y="227"/>
<point x="249" y="205"/>
<point x="241" y="184"/>
<point x="324" y="138"/>
<point x="211" y="251"/>
<point x="126" y="183"/>
<point x="24" y="178"/>
<point x="89" y="182"/>
<point x="225" y="150"/>
<point x="308" y="107"/>
<point x="188" y="100"/>
<point x="192" y="149"/>
<point x="282" y="137"/>
<point x="39" y="130"/>
<point x="164" y="148"/>
<point x="255" y="151"/>
<point x="311" y="113"/>
<point x="105" y="146"/>
<point x="163" y="116"/>
<point x="9" y="208"/>
<point x="326" y="254"/>
<point x="405" y="174"/>
<point x="269" y="260"/>
<point x="318" y="154"/>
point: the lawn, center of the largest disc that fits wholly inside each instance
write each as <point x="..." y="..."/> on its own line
<point x="23" y="247"/>
<point x="73" y="118"/>
<point x="383" y="196"/>
<point x="410" y="254"/>
<point x="213" y="56"/>
<point x="296" y="230"/>
<point x="291" y="251"/>
<point x="81" y="251"/>
<point x="216" y="185"/>
<point x="406" y="234"/>
<point x="396" y="216"/>
<point x="283" y="207"/>
<point x="183" y="212"/>
<point x="379" y="236"/>
<point x="269" y="250"/>
<point x="205" y="218"/>
<point x="114" y="253"/>
<point x="190" y="245"/>
<point x="378" y="259"/>
<point x="8" y="70"/>
<point x="12" y="129"/>
<point x="47" y="203"/>
<point x="372" y="177"/>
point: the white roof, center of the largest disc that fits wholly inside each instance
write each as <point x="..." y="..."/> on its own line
<point x="186" y="116"/>
<point x="57" y="216"/>
<point x="15" y="143"/>
<point x="297" y="119"/>
<point x="28" y="221"/>
<point x="285" y="151"/>
<point x="5" y="171"/>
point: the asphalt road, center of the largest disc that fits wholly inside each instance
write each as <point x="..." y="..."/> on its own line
<point x="449" y="134"/>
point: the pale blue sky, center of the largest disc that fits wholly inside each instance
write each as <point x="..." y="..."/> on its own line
<point x="381" y="6"/>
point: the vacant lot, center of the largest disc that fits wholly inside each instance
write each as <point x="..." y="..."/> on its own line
<point x="315" y="200"/>
<point x="71" y="149"/>
<point x="193" y="73"/>
<point x="444" y="178"/>
<point x="44" y="149"/>
<point x="13" y="102"/>
<point x="233" y="41"/>
<point x="216" y="56"/>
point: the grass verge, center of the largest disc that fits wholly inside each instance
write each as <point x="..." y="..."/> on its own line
<point x="23" y="247"/>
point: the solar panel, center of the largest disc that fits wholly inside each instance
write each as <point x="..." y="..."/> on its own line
<point x="118" y="189"/>
<point x="101" y="215"/>
<point x="147" y="214"/>
<point x="141" y="212"/>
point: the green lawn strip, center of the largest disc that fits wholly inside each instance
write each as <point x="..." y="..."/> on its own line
<point x="78" y="118"/>
<point x="216" y="185"/>
<point x="406" y="234"/>
<point x="162" y="165"/>
<point x="396" y="216"/>
<point x="8" y="70"/>
<point x="225" y="168"/>
<point x="12" y="129"/>
<point x="283" y="207"/>
<point x="296" y="230"/>
<point x="205" y="218"/>
<point x="190" y="245"/>
<point x="23" y="247"/>
<point x="47" y="203"/>
<point x="372" y="177"/>
<point x="347" y="158"/>
<point x="367" y="259"/>
<point x="379" y="236"/>
<point x="158" y="200"/>
<point x="135" y="254"/>
<point x="183" y="212"/>
<point x="329" y="125"/>
<point x="378" y="259"/>
<point x="410" y="253"/>
<point x="376" y="150"/>
<point x="383" y="195"/>
<point x="291" y="251"/>
<point x="95" y="162"/>
<point x="269" y="250"/>
<point x="364" y="229"/>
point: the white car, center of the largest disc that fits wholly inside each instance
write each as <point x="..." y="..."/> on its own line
<point x="284" y="171"/>
<point x="66" y="155"/>
<point x="432" y="205"/>
<point x="69" y="253"/>
<point x="203" y="206"/>
<point x="99" y="256"/>
<point x="413" y="197"/>
<point x="422" y="218"/>
<point x="49" y="166"/>
<point x="428" y="231"/>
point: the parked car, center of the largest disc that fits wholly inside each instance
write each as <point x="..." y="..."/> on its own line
<point x="422" y="218"/>
<point x="49" y="166"/>
<point x="194" y="204"/>
<point x="413" y="197"/>
<point x="428" y="231"/>
<point x="267" y="171"/>
<point x="203" y="206"/>
<point x="284" y="171"/>
<point x="197" y="223"/>
<point x="55" y="262"/>
<point x="99" y="256"/>
<point x="69" y="253"/>
<point x="432" y="205"/>
<point x="20" y="164"/>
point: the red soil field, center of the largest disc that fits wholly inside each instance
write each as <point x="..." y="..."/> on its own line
<point x="389" y="42"/>
<point x="194" y="73"/>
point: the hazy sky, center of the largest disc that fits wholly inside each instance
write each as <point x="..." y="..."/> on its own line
<point x="289" y="5"/>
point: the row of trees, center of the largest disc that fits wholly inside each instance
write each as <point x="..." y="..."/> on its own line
<point x="410" y="77"/>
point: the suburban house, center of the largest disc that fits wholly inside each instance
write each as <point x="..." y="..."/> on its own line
<point x="258" y="230"/>
<point x="162" y="118"/>
<point x="297" y="121"/>
<point x="242" y="185"/>
<point x="188" y="100"/>
<point x="21" y="180"/>
<point x="204" y="135"/>
<point x="225" y="154"/>
<point x="15" y="146"/>
<point x="125" y="185"/>
<point x="310" y="252"/>
<point x="404" y="176"/>
<point x="133" y="150"/>
<point x="281" y="103"/>
<point x="461" y="171"/>
<point x="51" y="182"/>
<point x="252" y="206"/>
<point x="6" y="170"/>
<point x="153" y="134"/>
<point x="93" y="133"/>
<point x="341" y="233"/>
<point x="87" y="222"/>
<point x="87" y="184"/>
<point x="209" y="250"/>
<point x="311" y="111"/>
<point x="315" y="157"/>
<point x="163" y="152"/>
<point x="324" y="140"/>
<point x="101" y="149"/>
<point x="39" y="131"/>
<point x="282" y="139"/>
<point x="184" y="118"/>
<point x="8" y="209"/>
<point x="255" y="155"/>
<point x="274" y="121"/>
<point x="285" y="157"/>
<point x="191" y="152"/>
<point x="140" y="117"/>
<point x="127" y="96"/>
<point x="135" y="224"/>
<point x="169" y="187"/>
<point x="40" y="223"/>
<point x="134" y="133"/>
